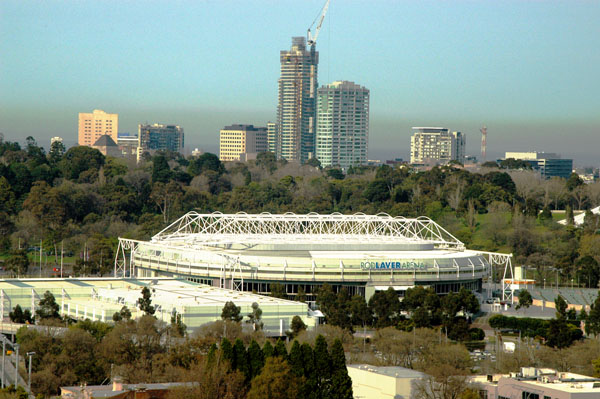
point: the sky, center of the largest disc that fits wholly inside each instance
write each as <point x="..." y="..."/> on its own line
<point x="528" y="70"/>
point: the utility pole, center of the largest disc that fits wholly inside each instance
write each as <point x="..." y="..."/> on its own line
<point x="3" y="356"/>
<point x="61" y="257"/>
<point x="30" y="355"/>
<point x="16" y="347"/>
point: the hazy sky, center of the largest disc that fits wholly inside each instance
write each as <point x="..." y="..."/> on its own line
<point x="529" y="70"/>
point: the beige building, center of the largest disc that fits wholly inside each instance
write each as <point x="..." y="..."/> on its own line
<point x="436" y="145"/>
<point x="96" y="124"/>
<point x="372" y="382"/>
<point x="242" y="142"/>
<point x="537" y="383"/>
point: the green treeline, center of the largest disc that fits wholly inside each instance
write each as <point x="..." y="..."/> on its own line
<point x="83" y="200"/>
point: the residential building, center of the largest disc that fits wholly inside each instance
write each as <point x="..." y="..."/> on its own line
<point x="538" y="383"/>
<point x="296" y="111"/>
<point x="436" y="145"/>
<point x="55" y="139"/>
<point x="272" y="136"/>
<point x="95" y="124"/>
<point x="547" y="163"/>
<point x="342" y="124"/>
<point x="373" y="382"/>
<point x="242" y="142"/>
<point x="107" y="146"/>
<point x="158" y="137"/>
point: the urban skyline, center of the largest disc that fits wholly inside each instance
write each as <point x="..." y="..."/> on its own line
<point x="524" y="69"/>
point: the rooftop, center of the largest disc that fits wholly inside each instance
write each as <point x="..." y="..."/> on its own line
<point x="390" y="371"/>
<point x="251" y="229"/>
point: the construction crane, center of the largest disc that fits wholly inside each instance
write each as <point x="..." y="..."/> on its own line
<point x="310" y="39"/>
<point x="483" y="131"/>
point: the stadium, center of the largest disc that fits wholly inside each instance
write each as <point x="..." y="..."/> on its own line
<point x="363" y="253"/>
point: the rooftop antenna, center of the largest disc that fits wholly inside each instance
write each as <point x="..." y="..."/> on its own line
<point x="483" y="131"/>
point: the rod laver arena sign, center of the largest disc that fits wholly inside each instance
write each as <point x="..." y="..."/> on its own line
<point x="392" y="265"/>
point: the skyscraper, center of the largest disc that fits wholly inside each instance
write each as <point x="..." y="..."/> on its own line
<point x="296" y="110"/>
<point x="95" y="124"/>
<point x="342" y="124"/>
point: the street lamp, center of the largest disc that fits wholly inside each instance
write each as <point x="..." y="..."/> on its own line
<point x="16" y="348"/>
<point x="544" y="282"/>
<point x="30" y="355"/>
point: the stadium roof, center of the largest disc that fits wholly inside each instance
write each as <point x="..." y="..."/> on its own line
<point x="218" y="229"/>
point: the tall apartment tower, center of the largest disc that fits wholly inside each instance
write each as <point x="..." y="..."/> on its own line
<point x="342" y="124"/>
<point x="432" y="145"/>
<point x="296" y="110"/>
<point x="242" y="142"/>
<point x="95" y="124"/>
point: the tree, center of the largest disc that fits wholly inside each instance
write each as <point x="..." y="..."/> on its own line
<point x="525" y="299"/>
<point x="17" y="262"/>
<point x="20" y="316"/>
<point x="80" y="159"/>
<point x="47" y="307"/>
<point x="231" y="312"/>
<point x="256" y="359"/>
<point x="385" y="307"/>
<point x="297" y="326"/>
<point x="207" y="162"/>
<point x="588" y="271"/>
<point x="145" y="302"/>
<point x="341" y="383"/>
<point x="359" y="311"/>
<point x="314" y="162"/>
<point x="278" y="290"/>
<point x="276" y="380"/>
<point x="323" y="367"/>
<point x="177" y="324"/>
<point x="255" y="316"/>
<point x="561" y="307"/>
<point x="301" y="296"/>
<point x="161" y="172"/>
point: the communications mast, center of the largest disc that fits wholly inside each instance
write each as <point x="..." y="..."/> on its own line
<point x="483" y="131"/>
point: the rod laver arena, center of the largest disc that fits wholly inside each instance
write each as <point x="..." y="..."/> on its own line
<point x="250" y="252"/>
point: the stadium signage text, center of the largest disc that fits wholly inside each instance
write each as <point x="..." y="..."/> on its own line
<point x="392" y="265"/>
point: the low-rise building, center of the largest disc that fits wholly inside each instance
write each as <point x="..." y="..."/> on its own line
<point x="119" y="390"/>
<point x="373" y="382"/>
<point x="107" y="146"/>
<point x="537" y="383"/>
<point x="548" y="164"/>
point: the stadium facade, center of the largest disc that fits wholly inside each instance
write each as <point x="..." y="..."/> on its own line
<point x="364" y="253"/>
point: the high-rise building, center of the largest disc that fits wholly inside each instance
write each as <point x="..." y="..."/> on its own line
<point x="242" y="142"/>
<point x="296" y="111"/>
<point x="96" y="124"/>
<point x="548" y="164"/>
<point x="159" y="137"/>
<point x="435" y="145"/>
<point x="342" y="124"/>
<point x="272" y="136"/>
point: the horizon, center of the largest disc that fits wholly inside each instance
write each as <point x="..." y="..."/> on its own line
<point x="524" y="69"/>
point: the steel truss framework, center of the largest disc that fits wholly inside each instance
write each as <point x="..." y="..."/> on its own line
<point x="496" y="260"/>
<point x="217" y="228"/>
